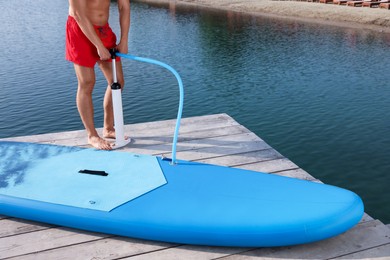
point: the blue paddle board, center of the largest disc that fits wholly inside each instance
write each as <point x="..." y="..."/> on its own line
<point x="147" y="197"/>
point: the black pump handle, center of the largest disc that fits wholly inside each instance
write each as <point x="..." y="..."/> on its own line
<point x="113" y="52"/>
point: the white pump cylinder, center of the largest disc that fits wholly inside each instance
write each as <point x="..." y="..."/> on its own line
<point x="118" y="117"/>
<point x="120" y="140"/>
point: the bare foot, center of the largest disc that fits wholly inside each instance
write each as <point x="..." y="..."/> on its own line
<point x="110" y="134"/>
<point x="99" y="143"/>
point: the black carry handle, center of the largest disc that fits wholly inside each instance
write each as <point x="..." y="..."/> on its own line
<point x="93" y="172"/>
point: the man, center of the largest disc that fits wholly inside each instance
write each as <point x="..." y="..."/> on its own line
<point x="88" y="38"/>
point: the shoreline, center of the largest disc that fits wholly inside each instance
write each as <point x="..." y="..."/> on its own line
<point x="376" y="19"/>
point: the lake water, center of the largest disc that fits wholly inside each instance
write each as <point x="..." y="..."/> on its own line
<point x="318" y="94"/>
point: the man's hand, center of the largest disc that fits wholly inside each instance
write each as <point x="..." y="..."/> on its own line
<point x="104" y="53"/>
<point x="122" y="47"/>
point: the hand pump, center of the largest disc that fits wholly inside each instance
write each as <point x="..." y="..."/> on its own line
<point x="116" y="90"/>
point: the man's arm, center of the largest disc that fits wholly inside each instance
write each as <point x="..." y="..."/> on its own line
<point x="124" y="21"/>
<point x="79" y="13"/>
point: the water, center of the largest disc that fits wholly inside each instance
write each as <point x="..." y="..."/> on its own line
<point x="320" y="95"/>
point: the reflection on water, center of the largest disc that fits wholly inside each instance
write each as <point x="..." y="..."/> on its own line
<point x="318" y="94"/>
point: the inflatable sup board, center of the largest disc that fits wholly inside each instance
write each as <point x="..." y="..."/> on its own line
<point x="147" y="197"/>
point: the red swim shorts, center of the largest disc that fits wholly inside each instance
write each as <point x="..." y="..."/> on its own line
<point x="79" y="49"/>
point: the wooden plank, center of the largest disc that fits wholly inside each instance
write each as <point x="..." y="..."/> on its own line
<point x="376" y="253"/>
<point x="220" y="146"/>
<point x="272" y="166"/>
<point x="262" y="159"/>
<point x="11" y="227"/>
<point x="144" y="139"/>
<point x="189" y="252"/>
<point x="206" y="147"/>
<point x="366" y="217"/>
<point x="365" y="235"/>
<point x="297" y="174"/>
<point x="260" y="154"/>
<point x="33" y="242"/>
<point x="109" y="248"/>
<point x="187" y="124"/>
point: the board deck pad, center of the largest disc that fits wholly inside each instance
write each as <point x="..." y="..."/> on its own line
<point x="50" y="173"/>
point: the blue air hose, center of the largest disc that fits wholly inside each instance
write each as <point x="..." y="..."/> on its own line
<point x="181" y="99"/>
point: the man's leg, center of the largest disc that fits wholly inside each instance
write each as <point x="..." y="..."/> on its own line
<point x="86" y="83"/>
<point x="106" y="67"/>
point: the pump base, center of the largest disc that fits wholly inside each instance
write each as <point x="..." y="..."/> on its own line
<point x="120" y="144"/>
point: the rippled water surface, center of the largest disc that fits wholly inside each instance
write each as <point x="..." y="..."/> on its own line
<point x="320" y="95"/>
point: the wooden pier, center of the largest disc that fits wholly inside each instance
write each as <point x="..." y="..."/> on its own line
<point x="216" y="139"/>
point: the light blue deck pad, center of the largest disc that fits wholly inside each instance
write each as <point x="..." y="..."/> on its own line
<point x="50" y="173"/>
